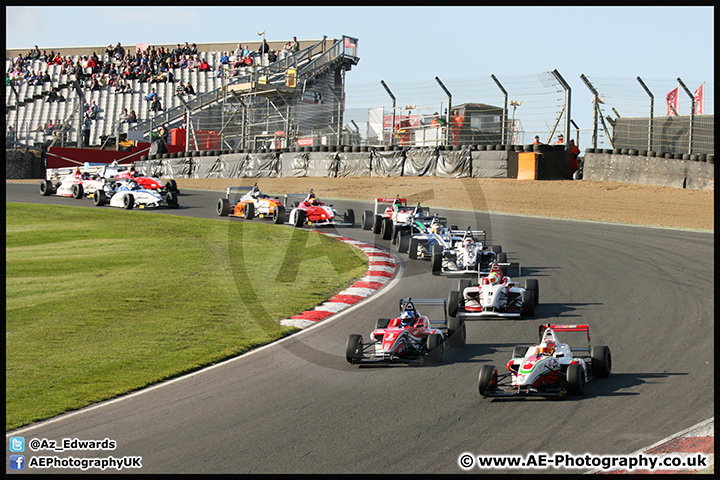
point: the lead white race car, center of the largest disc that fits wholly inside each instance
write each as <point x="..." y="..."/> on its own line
<point x="128" y="194"/>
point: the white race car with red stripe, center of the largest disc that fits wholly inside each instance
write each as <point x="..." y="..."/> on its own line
<point x="548" y="369"/>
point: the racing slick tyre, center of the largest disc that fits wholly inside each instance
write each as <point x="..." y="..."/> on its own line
<point x="99" y="198"/>
<point x="128" y="201"/>
<point x="77" y="191"/>
<point x="532" y="285"/>
<point x="601" y="361"/>
<point x="456" y="331"/>
<point x="575" y="379"/>
<point x="501" y="258"/>
<point x="279" y="215"/>
<point x="413" y="248"/>
<point x="403" y="241"/>
<point x="249" y="211"/>
<point x="382" y="323"/>
<point x="223" y="207"/>
<point x="435" y="347"/>
<point x="46" y="188"/>
<point x="354" y="349"/>
<point x="453" y="302"/>
<point x="528" y="304"/>
<point x="171" y="185"/>
<point x="172" y="200"/>
<point x="496" y="248"/>
<point x="463" y="283"/>
<point x="436" y="258"/>
<point x="386" y="228"/>
<point x="349" y="217"/>
<point x="519" y="351"/>
<point x="487" y="379"/>
<point x="299" y="219"/>
<point x="377" y="224"/>
<point x="367" y="220"/>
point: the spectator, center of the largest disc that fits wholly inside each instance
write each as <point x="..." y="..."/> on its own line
<point x="238" y="51"/>
<point x="193" y="49"/>
<point x="110" y="51"/>
<point x="456" y="123"/>
<point x="560" y="140"/>
<point x="34" y="54"/>
<point x="537" y="140"/>
<point x="180" y="88"/>
<point x="151" y="96"/>
<point x="86" y="130"/>
<point x="189" y="90"/>
<point x="124" y="116"/>
<point x="219" y="72"/>
<point x="119" y="53"/>
<point x="155" y="105"/>
<point x="574" y="152"/>
<point x="295" y="45"/>
<point x="204" y="66"/>
<point x="224" y="59"/>
<point x="93" y="112"/>
<point x="272" y="56"/>
<point x="132" y="117"/>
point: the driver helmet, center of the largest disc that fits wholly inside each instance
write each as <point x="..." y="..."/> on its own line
<point x="547" y="348"/>
<point x="407" y="318"/>
<point x="435" y="228"/>
<point x="494" y="278"/>
<point x="467" y="242"/>
<point x="132" y="185"/>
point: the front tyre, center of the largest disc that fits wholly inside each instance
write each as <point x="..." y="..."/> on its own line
<point x="487" y="379"/>
<point x="46" y="188"/>
<point x="436" y="347"/>
<point x="354" y="349"/>
<point x="128" y="201"/>
<point x="223" y="207"/>
<point x="279" y="215"/>
<point x="575" y="379"/>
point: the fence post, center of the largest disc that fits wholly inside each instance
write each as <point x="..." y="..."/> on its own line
<point x="692" y="114"/>
<point x="652" y="101"/>
<point x="505" y="107"/>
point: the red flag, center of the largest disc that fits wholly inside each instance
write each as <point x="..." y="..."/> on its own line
<point x="672" y="102"/>
<point x="699" y="100"/>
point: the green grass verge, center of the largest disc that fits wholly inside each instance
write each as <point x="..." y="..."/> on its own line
<point x="101" y="302"/>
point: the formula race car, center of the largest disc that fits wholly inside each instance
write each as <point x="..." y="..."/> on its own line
<point x="311" y="211"/>
<point x="458" y="252"/>
<point x="128" y="194"/>
<point x="250" y="202"/>
<point x="495" y="295"/>
<point x="549" y="369"/>
<point x="72" y="182"/>
<point x="114" y="171"/>
<point x="408" y="338"/>
<point x="396" y="217"/>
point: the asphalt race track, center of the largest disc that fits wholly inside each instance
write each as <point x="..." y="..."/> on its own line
<point x="297" y="406"/>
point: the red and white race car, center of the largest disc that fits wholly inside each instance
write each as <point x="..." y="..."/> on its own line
<point x="311" y="211"/>
<point x="548" y="369"/>
<point x="72" y="182"/>
<point x="496" y="295"/>
<point x="407" y="338"/>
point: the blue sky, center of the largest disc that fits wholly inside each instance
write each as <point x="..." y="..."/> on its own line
<point x="402" y="44"/>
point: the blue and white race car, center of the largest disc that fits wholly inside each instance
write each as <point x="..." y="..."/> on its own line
<point x="128" y="194"/>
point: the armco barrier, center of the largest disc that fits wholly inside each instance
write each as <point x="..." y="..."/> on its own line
<point x="649" y="170"/>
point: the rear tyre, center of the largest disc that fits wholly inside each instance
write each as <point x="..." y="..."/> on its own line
<point x="386" y="229"/>
<point x="403" y="242"/>
<point x="519" y="352"/>
<point x="279" y="215"/>
<point x="350" y="217"/>
<point x="435" y="347"/>
<point x="354" y="349"/>
<point x="532" y="285"/>
<point x="436" y="258"/>
<point x="223" y="207"/>
<point x="377" y="224"/>
<point x="528" y="304"/>
<point x="249" y="211"/>
<point x="367" y="220"/>
<point x="463" y="283"/>
<point x="496" y="248"/>
<point x="575" y="379"/>
<point x="601" y="361"/>
<point x="487" y="379"/>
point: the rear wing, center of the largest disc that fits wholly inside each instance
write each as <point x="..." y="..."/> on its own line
<point x="388" y="201"/>
<point x="568" y="328"/>
<point x="87" y="167"/>
<point x="435" y="302"/>
<point x="504" y="269"/>
<point x="238" y="191"/>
